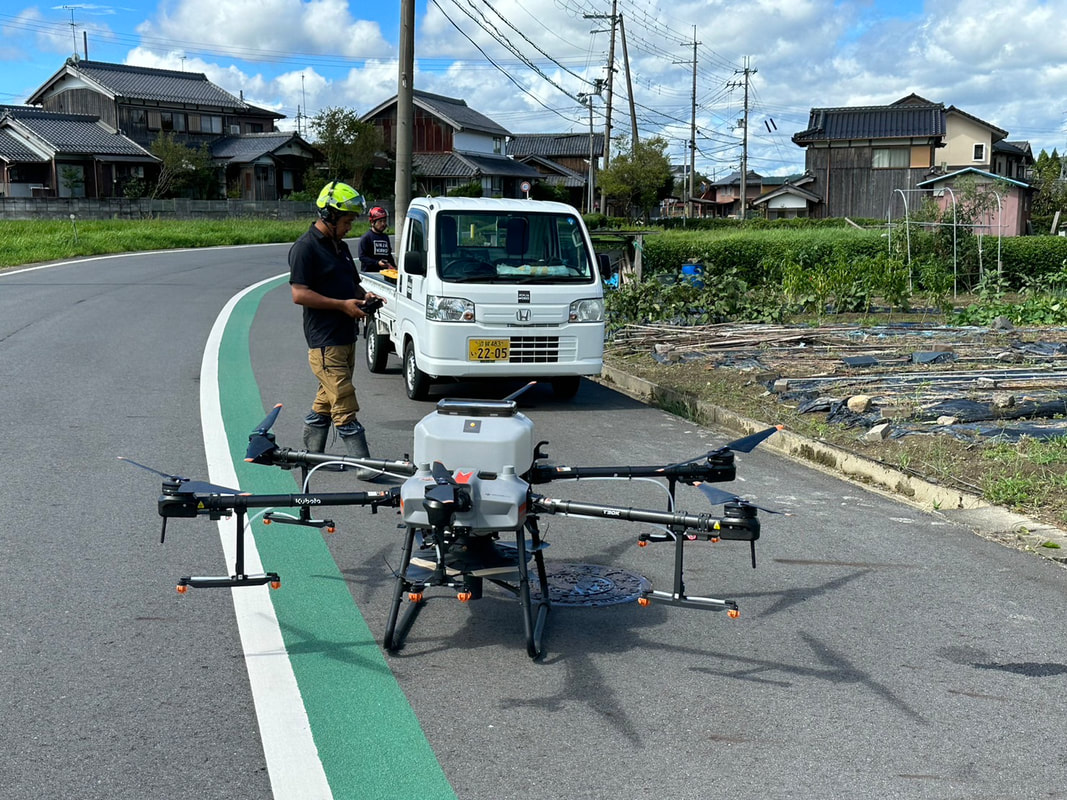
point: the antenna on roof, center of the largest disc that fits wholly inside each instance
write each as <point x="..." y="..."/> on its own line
<point x="73" y="30"/>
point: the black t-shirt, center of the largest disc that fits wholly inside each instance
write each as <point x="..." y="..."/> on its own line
<point x="374" y="247"/>
<point x="325" y="266"/>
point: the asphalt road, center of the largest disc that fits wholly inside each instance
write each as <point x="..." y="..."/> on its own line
<point x="880" y="652"/>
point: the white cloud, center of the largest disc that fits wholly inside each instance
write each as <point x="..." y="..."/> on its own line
<point x="265" y="29"/>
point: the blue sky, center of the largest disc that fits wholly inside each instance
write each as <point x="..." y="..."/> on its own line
<point x="524" y="62"/>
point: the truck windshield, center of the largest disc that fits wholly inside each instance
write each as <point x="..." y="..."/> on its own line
<point x="488" y="247"/>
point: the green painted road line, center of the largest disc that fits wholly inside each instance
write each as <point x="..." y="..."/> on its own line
<point x="367" y="735"/>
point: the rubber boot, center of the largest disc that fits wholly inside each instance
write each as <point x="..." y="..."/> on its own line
<point x="316" y="430"/>
<point x="354" y="436"/>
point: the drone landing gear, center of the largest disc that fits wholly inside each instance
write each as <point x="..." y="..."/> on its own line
<point x="465" y="567"/>
<point x="239" y="577"/>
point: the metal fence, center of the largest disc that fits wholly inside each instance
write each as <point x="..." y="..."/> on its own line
<point x="146" y="208"/>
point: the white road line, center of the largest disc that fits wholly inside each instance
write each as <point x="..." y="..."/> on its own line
<point x="292" y="758"/>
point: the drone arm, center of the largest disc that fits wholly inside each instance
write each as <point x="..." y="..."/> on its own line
<point x="286" y="457"/>
<point x="737" y="523"/>
<point x="713" y="470"/>
<point x="189" y="504"/>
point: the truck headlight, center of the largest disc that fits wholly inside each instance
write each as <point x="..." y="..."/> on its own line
<point x="591" y="310"/>
<point x="449" y="309"/>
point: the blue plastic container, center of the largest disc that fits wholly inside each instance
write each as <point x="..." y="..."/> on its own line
<point x="693" y="274"/>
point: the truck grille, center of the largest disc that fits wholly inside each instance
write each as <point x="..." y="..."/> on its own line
<point x="536" y="350"/>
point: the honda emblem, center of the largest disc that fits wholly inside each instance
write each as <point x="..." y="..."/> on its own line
<point x="523" y="315"/>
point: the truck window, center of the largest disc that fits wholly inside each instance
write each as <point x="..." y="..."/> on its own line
<point x="416" y="235"/>
<point x="488" y="247"/>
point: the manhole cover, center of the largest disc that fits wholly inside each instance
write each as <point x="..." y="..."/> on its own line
<point x="589" y="585"/>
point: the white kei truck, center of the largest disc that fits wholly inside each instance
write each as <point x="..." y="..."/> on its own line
<point x="488" y="288"/>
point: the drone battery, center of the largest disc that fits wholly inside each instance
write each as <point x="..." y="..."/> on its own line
<point x="483" y="436"/>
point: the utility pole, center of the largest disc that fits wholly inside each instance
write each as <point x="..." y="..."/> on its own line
<point x="692" y="130"/>
<point x="405" y="110"/>
<point x="587" y="99"/>
<point x="747" y="71"/>
<point x="611" y="83"/>
<point x="629" y="88"/>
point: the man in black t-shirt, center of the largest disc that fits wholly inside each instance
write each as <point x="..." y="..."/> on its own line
<point x="324" y="280"/>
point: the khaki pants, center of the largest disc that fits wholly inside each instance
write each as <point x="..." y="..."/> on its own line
<point x="336" y="398"/>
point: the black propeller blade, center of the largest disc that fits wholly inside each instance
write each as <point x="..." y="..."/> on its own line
<point x="184" y="485"/>
<point x="261" y="440"/>
<point x="268" y="421"/>
<point x="441" y="474"/>
<point x="746" y="444"/>
<point x="718" y="497"/>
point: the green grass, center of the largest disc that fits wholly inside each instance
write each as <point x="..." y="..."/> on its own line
<point x="37" y="241"/>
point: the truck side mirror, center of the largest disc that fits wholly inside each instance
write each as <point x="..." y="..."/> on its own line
<point x="605" y="265"/>
<point x="415" y="262"/>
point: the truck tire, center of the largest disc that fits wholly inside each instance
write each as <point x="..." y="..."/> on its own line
<point x="566" y="386"/>
<point x="416" y="382"/>
<point x="377" y="351"/>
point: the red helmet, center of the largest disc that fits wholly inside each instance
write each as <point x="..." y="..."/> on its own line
<point x="377" y="213"/>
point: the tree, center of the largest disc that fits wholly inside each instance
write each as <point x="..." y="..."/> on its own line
<point x="73" y="178"/>
<point x="182" y="169"/>
<point x="1050" y="191"/>
<point x="639" y="179"/>
<point x="350" y="146"/>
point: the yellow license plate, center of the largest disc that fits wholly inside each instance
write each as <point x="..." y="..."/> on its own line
<point x="488" y="349"/>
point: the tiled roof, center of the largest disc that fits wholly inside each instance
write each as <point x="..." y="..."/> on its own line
<point x="873" y="122"/>
<point x="76" y="134"/>
<point x="251" y="146"/>
<point x="468" y="165"/>
<point x="457" y="112"/>
<point x="1015" y="148"/>
<point x="489" y="164"/>
<point x="734" y="179"/>
<point x="12" y="149"/>
<point x="558" y="145"/>
<point x="161" y="85"/>
<point x="556" y="174"/>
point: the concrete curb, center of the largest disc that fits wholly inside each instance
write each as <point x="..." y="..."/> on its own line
<point x="988" y="521"/>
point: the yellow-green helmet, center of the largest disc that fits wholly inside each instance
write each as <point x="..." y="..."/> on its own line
<point x="338" y="198"/>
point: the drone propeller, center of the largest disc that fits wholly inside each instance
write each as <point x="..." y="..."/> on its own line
<point x="184" y="485"/>
<point x="746" y="444"/>
<point x="719" y="497"/>
<point x="268" y="421"/>
<point x="441" y="474"/>
<point x="261" y="440"/>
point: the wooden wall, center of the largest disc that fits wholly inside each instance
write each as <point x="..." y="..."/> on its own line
<point x="849" y="186"/>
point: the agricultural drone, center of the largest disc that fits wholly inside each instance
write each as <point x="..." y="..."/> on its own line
<point x="470" y="510"/>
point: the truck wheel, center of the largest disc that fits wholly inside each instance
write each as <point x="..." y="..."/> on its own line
<point x="377" y="351"/>
<point x="566" y="387"/>
<point x="416" y="382"/>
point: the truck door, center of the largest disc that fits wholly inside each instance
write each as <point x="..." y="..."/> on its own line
<point x="411" y="292"/>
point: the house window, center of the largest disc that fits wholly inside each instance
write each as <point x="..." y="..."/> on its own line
<point x="498" y="145"/>
<point x="254" y="127"/>
<point x="979" y="151"/>
<point x="890" y="158"/>
<point x="171" y="121"/>
<point x="210" y="124"/>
